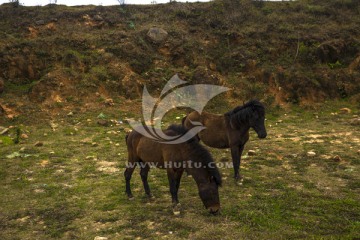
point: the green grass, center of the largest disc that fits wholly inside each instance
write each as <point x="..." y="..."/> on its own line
<point x="71" y="189"/>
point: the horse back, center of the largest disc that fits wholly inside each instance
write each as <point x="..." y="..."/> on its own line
<point x="215" y="133"/>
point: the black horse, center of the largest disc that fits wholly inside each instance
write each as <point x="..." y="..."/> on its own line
<point x="230" y="130"/>
<point x="175" y="158"/>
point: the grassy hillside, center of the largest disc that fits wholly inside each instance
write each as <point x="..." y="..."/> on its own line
<point x="301" y="52"/>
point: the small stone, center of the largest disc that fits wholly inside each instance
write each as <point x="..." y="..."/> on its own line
<point x="70" y="114"/>
<point x="4" y="131"/>
<point x="39" y="144"/>
<point x="345" y="110"/>
<point x="94" y="144"/>
<point x="355" y="121"/>
<point x="103" y="122"/>
<point x="157" y="35"/>
<point x="251" y="152"/>
<point x="100" y="238"/>
<point x="311" y="154"/>
<point x="24" y="136"/>
<point x="52" y="152"/>
<point x="127" y="130"/>
<point x="40" y="22"/>
<point x="22" y="149"/>
<point x="109" y="102"/>
<point x="337" y="158"/>
<point x="98" y="18"/>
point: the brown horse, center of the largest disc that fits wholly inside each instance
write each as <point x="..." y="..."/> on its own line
<point x="175" y="158"/>
<point x="230" y="130"/>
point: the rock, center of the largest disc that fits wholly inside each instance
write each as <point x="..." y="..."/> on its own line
<point x="331" y="51"/>
<point x="100" y="238"/>
<point x="355" y="121"/>
<point x="70" y="114"/>
<point x="3" y="131"/>
<point x="251" y="152"/>
<point x="337" y="158"/>
<point x="103" y="122"/>
<point x="40" y="22"/>
<point x="345" y="110"/>
<point x="53" y="125"/>
<point x="24" y="136"/>
<point x="127" y="130"/>
<point x="311" y="154"/>
<point x="157" y="35"/>
<point x="109" y="102"/>
<point x="39" y="144"/>
<point x="98" y="18"/>
<point x="94" y="144"/>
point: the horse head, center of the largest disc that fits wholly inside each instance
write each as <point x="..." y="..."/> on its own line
<point x="251" y="114"/>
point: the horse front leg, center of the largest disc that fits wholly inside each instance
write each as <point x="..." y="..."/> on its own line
<point x="236" y="152"/>
<point x="174" y="176"/>
<point x="144" y="178"/>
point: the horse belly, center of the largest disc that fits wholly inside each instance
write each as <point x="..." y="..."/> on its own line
<point x="150" y="151"/>
<point x="214" y="139"/>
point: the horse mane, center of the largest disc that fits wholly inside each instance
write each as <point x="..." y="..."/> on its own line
<point x="198" y="152"/>
<point x="201" y="154"/>
<point x="175" y="129"/>
<point x="242" y="113"/>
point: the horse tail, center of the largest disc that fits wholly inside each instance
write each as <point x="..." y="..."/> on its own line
<point x="126" y="137"/>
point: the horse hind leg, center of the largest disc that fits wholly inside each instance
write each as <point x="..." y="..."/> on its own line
<point x="144" y="171"/>
<point x="130" y="167"/>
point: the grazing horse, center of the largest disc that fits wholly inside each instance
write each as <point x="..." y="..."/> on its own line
<point x="175" y="158"/>
<point x="230" y="130"/>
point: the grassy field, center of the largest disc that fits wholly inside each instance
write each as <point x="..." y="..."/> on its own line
<point x="65" y="181"/>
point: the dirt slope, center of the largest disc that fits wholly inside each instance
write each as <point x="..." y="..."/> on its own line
<point x="57" y="57"/>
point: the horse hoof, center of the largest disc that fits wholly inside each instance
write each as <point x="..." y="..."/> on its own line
<point x="239" y="181"/>
<point x="176" y="209"/>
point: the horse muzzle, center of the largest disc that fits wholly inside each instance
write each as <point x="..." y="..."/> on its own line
<point x="215" y="210"/>
<point x="262" y="135"/>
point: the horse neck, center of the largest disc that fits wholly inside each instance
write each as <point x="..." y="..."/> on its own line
<point x="196" y="167"/>
<point x="199" y="174"/>
<point x="244" y="128"/>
